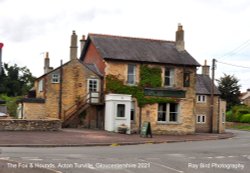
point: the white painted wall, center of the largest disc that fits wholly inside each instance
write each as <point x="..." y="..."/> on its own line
<point x="111" y="120"/>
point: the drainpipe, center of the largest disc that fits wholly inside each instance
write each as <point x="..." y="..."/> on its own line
<point x="60" y="91"/>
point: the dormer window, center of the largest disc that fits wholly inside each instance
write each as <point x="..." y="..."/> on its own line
<point x="169" y="77"/>
<point x="55" y="78"/>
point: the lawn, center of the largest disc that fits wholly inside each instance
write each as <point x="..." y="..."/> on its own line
<point x="242" y="127"/>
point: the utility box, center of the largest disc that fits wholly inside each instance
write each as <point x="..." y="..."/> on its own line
<point x="117" y="112"/>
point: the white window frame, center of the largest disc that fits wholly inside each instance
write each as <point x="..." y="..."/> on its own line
<point x="201" y="119"/>
<point x="133" y="74"/>
<point x="167" y="113"/>
<point x="201" y="98"/>
<point x="55" y="78"/>
<point x="40" y="85"/>
<point x="223" y="114"/>
<point x="97" y="85"/>
<point x="124" y="111"/>
<point x="170" y="77"/>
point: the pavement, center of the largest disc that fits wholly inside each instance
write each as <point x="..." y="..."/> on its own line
<point x="86" y="137"/>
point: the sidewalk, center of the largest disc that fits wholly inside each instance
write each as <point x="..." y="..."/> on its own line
<point x="85" y="137"/>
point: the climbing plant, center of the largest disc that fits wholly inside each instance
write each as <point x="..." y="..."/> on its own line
<point x="115" y="85"/>
<point x="150" y="76"/>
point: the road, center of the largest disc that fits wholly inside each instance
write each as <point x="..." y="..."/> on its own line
<point x="222" y="156"/>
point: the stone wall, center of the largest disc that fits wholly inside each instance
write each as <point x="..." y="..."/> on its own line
<point x="231" y="124"/>
<point x="33" y="110"/>
<point x="30" y="125"/>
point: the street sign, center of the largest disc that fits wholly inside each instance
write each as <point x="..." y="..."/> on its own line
<point x="146" y="130"/>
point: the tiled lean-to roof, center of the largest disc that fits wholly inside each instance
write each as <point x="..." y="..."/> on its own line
<point x="203" y="85"/>
<point x="140" y="50"/>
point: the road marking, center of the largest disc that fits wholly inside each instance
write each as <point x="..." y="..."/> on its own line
<point x="5" y="158"/>
<point x="164" y="166"/>
<point x="208" y="157"/>
<point x="220" y="157"/>
<point x="191" y="157"/>
<point x="231" y="156"/>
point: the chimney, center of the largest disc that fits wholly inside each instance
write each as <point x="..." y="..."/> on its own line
<point x="73" y="46"/>
<point x="82" y="42"/>
<point x="47" y="67"/>
<point x="205" y="69"/>
<point x="179" y="39"/>
<point x="1" y="46"/>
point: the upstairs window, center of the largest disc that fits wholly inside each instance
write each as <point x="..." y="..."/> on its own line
<point x="131" y="74"/>
<point x="186" y="79"/>
<point x="169" y="77"/>
<point x="201" y="98"/>
<point x="92" y="85"/>
<point x="55" y="78"/>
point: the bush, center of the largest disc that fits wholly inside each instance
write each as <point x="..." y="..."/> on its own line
<point x="245" y="118"/>
<point x="229" y="116"/>
<point x="11" y="103"/>
<point x="239" y="111"/>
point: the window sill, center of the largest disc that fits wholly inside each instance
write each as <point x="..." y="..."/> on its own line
<point x="168" y="123"/>
<point x="120" y="118"/>
<point x="201" y="122"/>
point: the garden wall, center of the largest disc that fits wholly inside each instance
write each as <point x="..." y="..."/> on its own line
<point x="30" y="125"/>
<point x="232" y="124"/>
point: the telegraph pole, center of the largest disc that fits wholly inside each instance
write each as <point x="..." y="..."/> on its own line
<point x="1" y="46"/>
<point x="212" y="96"/>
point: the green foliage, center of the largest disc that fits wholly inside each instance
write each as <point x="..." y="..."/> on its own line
<point x="113" y="84"/>
<point x="229" y="116"/>
<point x="245" y="118"/>
<point x="230" y="90"/>
<point x="15" y="81"/>
<point x="239" y="111"/>
<point x="150" y="76"/>
<point x="11" y="103"/>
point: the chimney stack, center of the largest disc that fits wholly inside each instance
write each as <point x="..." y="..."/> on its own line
<point x="1" y="46"/>
<point x="47" y="67"/>
<point x="82" y="42"/>
<point x="73" y="46"/>
<point x="205" y="69"/>
<point x="179" y="38"/>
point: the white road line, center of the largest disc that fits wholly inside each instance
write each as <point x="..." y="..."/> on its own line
<point x="220" y="157"/>
<point x="164" y="166"/>
<point x="208" y="157"/>
<point x="231" y="156"/>
<point x="4" y="158"/>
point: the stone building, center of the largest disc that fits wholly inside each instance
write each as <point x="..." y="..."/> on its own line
<point x="62" y="93"/>
<point x="204" y="122"/>
<point x="169" y="104"/>
<point x="245" y="97"/>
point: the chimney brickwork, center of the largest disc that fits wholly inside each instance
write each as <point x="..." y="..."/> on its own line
<point x="73" y="46"/>
<point x="179" y="39"/>
<point x="205" y="69"/>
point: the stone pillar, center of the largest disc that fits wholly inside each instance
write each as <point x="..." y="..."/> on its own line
<point x="179" y="39"/>
<point x="73" y="46"/>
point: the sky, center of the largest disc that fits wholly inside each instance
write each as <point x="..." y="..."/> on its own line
<point x="218" y="29"/>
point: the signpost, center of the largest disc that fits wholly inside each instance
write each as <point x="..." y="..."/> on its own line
<point x="146" y="130"/>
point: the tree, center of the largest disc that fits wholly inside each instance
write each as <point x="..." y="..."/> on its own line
<point x="15" y="81"/>
<point x="230" y="90"/>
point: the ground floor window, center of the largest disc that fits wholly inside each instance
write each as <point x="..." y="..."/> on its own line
<point x="120" y="110"/>
<point x="132" y="111"/>
<point x="201" y="119"/>
<point x="168" y="112"/>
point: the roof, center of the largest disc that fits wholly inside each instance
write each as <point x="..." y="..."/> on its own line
<point x="32" y="100"/>
<point x="89" y="66"/>
<point x="139" y="49"/>
<point x="203" y="85"/>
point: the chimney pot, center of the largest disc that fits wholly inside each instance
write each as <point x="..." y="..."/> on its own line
<point x="73" y="46"/>
<point x="82" y="42"/>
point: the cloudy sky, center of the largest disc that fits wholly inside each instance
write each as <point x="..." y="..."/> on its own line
<point x="217" y="29"/>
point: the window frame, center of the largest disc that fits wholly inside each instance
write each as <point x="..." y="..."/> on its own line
<point x="132" y="110"/>
<point x="117" y="110"/>
<point x="201" y="98"/>
<point x="186" y="79"/>
<point x="201" y="119"/>
<point x="167" y="113"/>
<point x="170" y="77"/>
<point x="55" y="78"/>
<point x="133" y="74"/>
<point x="97" y="85"/>
<point x="40" y="85"/>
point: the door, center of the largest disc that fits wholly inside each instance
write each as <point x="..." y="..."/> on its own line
<point x="93" y="90"/>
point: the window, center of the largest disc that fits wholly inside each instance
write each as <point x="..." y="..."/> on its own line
<point x="132" y="111"/>
<point x="55" y="78"/>
<point x="131" y="74"/>
<point x="120" y="110"/>
<point x="223" y="116"/>
<point x="201" y="99"/>
<point x="40" y="85"/>
<point x="201" y="119"/>
<point x="93" y="85"/>
<point x="169" y="77"/>
<point x="186" y="79"/>
<point x="168" y="112"/>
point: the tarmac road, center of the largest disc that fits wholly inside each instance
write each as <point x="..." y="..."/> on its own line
<point x="218" y="156"/>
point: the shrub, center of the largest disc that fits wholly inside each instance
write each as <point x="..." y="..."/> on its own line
<point x="229" y="116"/>
<point x="245" y="118"/>
<point x="238" y="111"/>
